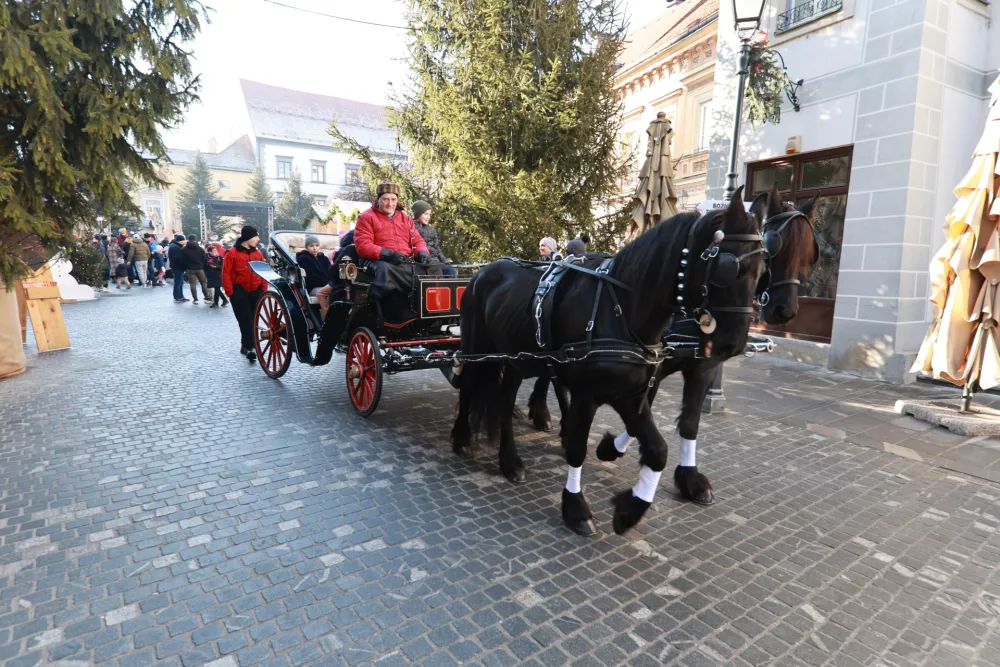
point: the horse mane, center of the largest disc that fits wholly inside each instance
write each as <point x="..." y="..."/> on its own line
<point x="660" y="246"/>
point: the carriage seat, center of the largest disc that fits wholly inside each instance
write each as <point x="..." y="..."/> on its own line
<point x="296" y="241"/>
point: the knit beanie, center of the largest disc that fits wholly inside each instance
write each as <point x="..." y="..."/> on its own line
<point x="179" y="237"/>
<point x="310" y="239"/>
<point x="247" y="233"/>
<point x="549" y="242"/>
<point x="419" y="208"/>
<point x="576" y="247"/>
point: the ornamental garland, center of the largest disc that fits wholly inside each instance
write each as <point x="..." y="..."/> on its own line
<point x="766" y="84"/>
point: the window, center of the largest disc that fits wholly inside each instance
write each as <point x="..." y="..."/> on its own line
<point x="318" y="171"/>
<point x="825" y="175"/>
<point x="154" y="212"/>
<point x="284" y="168"/>
<point x="225" y="184"/>
<point x="352" y="174"/>
<point x="319" y="200"/>
<point x="804" y="11"/>
<point x="704" y="126"/>
<point x="630" y="149"/>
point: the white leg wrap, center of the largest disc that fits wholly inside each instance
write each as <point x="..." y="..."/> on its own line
<point x="573" y="479"/>
<point x="648" y="481"/>
<point x="623" y="441"/>
<point x="687" y="455"/>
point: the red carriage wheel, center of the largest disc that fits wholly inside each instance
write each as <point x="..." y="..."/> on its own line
<point x="271" y="335"/>
<point x="364" y="371"/>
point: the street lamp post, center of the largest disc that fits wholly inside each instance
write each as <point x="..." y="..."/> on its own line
<point x="746" y="20"/>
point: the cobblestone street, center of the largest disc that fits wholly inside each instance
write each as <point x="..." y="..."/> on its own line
<point x="164" y="502"/>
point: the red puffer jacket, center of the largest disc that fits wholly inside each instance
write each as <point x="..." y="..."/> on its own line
<point x="236" y="270"/>
<point x="374" y="231"/>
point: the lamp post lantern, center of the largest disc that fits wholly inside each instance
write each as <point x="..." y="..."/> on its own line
<point x="746" y="21"/>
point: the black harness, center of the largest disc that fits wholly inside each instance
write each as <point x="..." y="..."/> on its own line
<point x="773" y="244"/>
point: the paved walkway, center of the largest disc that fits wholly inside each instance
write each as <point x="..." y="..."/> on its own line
<point x="163" y="502"/>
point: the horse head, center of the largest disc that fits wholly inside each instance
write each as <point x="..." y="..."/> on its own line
<point x="725" y="283"/>
<point x="792" y="250"/>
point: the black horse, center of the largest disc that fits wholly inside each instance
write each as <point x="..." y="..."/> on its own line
<point x="791" y="250"/>
<point x="604" y="350"/>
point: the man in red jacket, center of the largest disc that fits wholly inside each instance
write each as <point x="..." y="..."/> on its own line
<point x="244" y="287"/>
<point x="386" y="233"/>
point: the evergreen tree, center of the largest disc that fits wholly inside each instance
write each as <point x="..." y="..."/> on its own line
<point x="85" y="88"/>
<point x="258" y="189"/>
<point x="512" y="121"/>
<point x="198" y="185"/>
<point x="295" y="208"/>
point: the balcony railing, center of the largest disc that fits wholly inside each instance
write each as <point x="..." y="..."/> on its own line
<point x="805" y="12"/>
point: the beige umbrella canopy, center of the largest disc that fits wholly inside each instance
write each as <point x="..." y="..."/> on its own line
<point x="962" y="345"/>
<point x="655" y="198"/>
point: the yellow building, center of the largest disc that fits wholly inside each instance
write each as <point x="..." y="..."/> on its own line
<point x="231" y="169"/>
<point x="668" y="65"/>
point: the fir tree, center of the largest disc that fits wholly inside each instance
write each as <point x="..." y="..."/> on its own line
<point x="511" y="122"/>
<point x="295" y="208"/>
<point x="258" y="189"/>
<point x="85" y="89"/>
<point x="198" y="185"/>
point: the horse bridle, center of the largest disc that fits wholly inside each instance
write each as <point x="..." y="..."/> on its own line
<point x="722" y="268"/>
<point x="772" y="246"/>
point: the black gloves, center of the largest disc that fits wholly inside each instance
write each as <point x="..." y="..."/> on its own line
<point x="423" y="257"/>
<point x="391" y="256"/>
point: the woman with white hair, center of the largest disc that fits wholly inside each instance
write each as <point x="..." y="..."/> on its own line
<point x="548" y="249"/>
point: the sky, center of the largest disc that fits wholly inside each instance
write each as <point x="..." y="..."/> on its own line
<point x="276" y="44"/>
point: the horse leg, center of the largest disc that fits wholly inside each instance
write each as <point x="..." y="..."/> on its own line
<point x="510" y="463"/>
<point x="693" y="485"/>
<point x="461" y="433"/>
<point x="612" y="447"/>
<point x="576" y="512"/>
<point x="560" y="391"/>
<point x="631" y="504"/>
<point x="538" y="409"/>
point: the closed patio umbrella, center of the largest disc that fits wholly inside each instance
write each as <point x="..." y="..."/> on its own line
<point x="655" y="198"/>
<point x="962" y="345"/>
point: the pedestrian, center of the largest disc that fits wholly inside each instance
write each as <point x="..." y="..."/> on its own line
<point x="115" y="253"/>
<point x="194" y="266"/>
<point x="243" y="286"/>
<point x="175" y="255"/>
<point x="122" y="238"/>
<point x="102" y="247"/>
<point x="138" y="254"/>
<point x="422" y="220"/>
<point x="213" y="270"/>
<point x="159" y="263"/>
<point x="547" y="249"/>
<point x="121" y="274"/>
<point x="314" y="263"/>
<point x="578" y="246"/>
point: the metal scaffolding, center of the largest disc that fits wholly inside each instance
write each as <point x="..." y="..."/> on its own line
<point x="210" y="208"/>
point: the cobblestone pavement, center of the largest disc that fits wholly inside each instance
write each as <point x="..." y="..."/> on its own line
<point x="163" y="502"/>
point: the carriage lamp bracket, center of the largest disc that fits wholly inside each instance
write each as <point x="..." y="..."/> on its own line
<point x="792" y="87"/>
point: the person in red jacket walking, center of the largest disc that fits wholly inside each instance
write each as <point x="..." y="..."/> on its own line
<point x="244" y="287"/>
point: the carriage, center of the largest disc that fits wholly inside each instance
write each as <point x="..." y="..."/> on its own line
<point x="423" y="334"/>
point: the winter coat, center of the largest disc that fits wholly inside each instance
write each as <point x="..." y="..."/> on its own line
<point x="121" y="271"/>
<point x="430" y="237"/>
<point x="175" y="253"/>
<point x="317" y="268"/>
<point x="236" y="269"/>
<point x="159" y="262"/>
<point x="374" y="231"/>
<point x="213" y="270"/>
<point x="114" y="254"/>
<point x="139" y="251"/>
<point x="194" y="257"/>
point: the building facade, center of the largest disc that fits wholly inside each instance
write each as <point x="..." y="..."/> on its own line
<point x="893" y="102"/>
<point x="668" y="65"/>
<point x="289" y="133"/>
<point x="231" y="169"/>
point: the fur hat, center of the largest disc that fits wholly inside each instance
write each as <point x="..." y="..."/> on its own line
<point x="419" y="208"/>
<point x="387" y="188"/>
<point x="247" y="233"/>
<point x="310" y="239"/>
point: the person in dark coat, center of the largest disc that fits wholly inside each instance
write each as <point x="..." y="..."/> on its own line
<point x="578" y="246"/>
<point x="422" y="220"/>
<point x="213" y="271"/>
<point x="194" y="265"/>
<point x="175" y="255"/>
<point x="314" y="263"/>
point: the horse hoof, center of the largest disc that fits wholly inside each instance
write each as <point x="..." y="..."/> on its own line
<point x="629" y="511"/>
<point x="517" y="476"/>
<point x="576" y="514"/>
<point x="606" y="451"/>
<point x="693" y="485"/>
<point x="542" y="425"/>
<point x="464" y="452"/>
